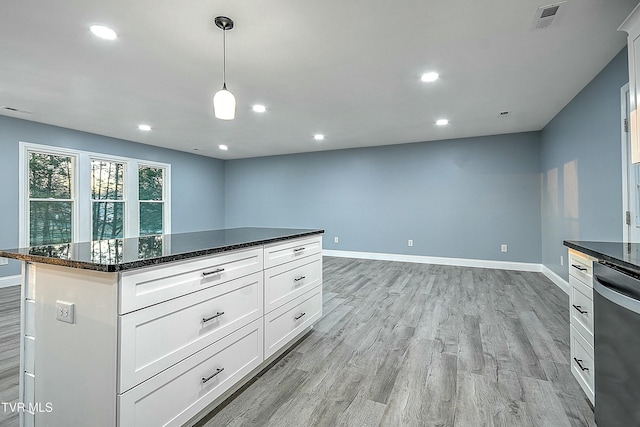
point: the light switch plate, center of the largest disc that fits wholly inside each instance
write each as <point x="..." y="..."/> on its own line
<point x="65" y="311"/>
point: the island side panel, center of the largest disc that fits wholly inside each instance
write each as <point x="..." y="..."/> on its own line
<point x="75" y="364"/>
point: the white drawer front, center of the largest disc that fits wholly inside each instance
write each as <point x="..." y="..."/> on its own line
<point x="157" y="337"/>
<point x="174" y="396"/>
<point x="581" y="308"/>
<point x="279" y="253"/>
<point x="287" y="321"/>
<point x="582" y="363"/>
<point x="581" y="267"/>
<point x="287" y="281"/>
<point x="152" y="285"/>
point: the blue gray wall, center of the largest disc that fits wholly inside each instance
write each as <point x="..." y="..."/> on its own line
<point x="194" y="207"/>
<point x="456" y="198"/>
<point x="582" y="167"/>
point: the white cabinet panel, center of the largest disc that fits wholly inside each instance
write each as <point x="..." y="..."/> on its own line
<point x="287" y="281"/>
<point x="284" y="323"/>
<point x="581" y="308"/>
<point x="148" y="286"/>
<point x="292" y="250"/>
<point x="174" y="396"/>
<point x="581" y="267"/>
<point x="155" y="338"/>
<point x="582" y="363"/>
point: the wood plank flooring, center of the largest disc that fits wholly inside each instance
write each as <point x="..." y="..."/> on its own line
<point x="423" y="345"/>
<point x="403" y="344"/>
<point x="9" y="352"/>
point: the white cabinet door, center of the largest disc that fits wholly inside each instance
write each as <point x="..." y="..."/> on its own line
<point x="283" y="324"/>
<point x="157" y="337"/>
<point x="287" y="281"/>
<point x="291" y="250"/>
<point x="174" y="396"/>
<point x="147" y="286"/>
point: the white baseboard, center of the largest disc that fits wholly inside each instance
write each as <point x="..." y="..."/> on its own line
<point x="459" y="262"/>
<point x="559" y="281"/>
<point x="7" y="281"/>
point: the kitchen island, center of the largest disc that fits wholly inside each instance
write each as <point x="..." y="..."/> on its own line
<point x="158" y="330"/>
<point x="604" y="279"/>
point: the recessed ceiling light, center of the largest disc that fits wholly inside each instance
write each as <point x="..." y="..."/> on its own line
<point x="223" y="147"/>
<point x="430" y="77"/>
<point x="442" y="122"/>
<point x="145" y="128"/>
<point x="103" y="32"/>
<point x="318" y="137"/>
<point x="259" y="108"/>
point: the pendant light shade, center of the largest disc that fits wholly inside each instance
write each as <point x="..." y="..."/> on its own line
<point x="224" y="103"/>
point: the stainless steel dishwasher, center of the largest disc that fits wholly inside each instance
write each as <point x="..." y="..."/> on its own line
<point x="616" y="346"/>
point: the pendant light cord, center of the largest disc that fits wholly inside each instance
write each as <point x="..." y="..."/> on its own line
<point x="224" y="59"/>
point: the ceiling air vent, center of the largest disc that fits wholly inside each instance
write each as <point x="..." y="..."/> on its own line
<point x="13" y="110"/>
<point x="545" y="15"/>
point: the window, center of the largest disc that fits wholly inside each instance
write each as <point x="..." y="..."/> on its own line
<point x="151" y="199"/>
<point x="74" y="196"/>
<point x="50" y="199"/>
<point x="107" y="200"/>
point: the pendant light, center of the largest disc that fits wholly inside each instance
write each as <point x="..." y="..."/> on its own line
<point x="224" y="103"/>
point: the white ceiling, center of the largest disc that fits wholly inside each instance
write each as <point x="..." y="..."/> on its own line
<point x="348" y="69"/>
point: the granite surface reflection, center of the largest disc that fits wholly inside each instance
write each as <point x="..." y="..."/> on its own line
<point x="124" y="254"/>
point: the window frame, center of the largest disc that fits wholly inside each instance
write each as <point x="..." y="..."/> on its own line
<point x="81" y="191"/>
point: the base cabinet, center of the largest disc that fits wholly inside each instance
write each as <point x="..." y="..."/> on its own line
<point x="581" y="320"/>
<point x="160" y="346"/>
<point x="175" y="395"/>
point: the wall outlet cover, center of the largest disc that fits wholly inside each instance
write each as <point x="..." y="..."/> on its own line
<point x="65" y="311"/>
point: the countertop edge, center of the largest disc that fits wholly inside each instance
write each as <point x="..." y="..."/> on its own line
<point x="600" y="256"/>
<point x="115" y="268"/>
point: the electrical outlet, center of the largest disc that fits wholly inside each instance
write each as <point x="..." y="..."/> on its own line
<point x="561" y="260"/>
<point x="335" y="239"/>
<point x="410" y="242"/>
<point x="65" y="311"/>
<point x="503" y="248"/>
<point x="4" y="261"/>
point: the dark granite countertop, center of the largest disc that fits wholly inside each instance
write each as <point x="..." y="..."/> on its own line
<point x="624" y="255"/>
<point x="136" y="252"/>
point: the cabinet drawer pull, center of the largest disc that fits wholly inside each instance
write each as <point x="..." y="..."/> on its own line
<point x="299" y="249"/>
<point x="579" y="267"/>
<point x="297" y="279"/>
<point x="204" y="380"/>
<point x="209" y="273"/>
<point x="218" y="314"/>
<point x="299" y="316"/>
<point x="580" y="310"/>
<point x="579" y="362"/>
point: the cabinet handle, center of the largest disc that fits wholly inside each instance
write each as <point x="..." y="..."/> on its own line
<point x="580" y="310"/>
<point x="218" y="314"/>
<point x="209" y="273"/>
<point x="579" y="362"/>
<point x="299" y="316"/>
<point x="204" y="380"/>
<point x="299" y="249"/>
<point x="579" y="267"/>
<point x="297" y="279"/>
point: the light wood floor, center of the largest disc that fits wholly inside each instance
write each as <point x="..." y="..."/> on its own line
<point x="404" y="345"/>
<point x="423" y="345"/>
